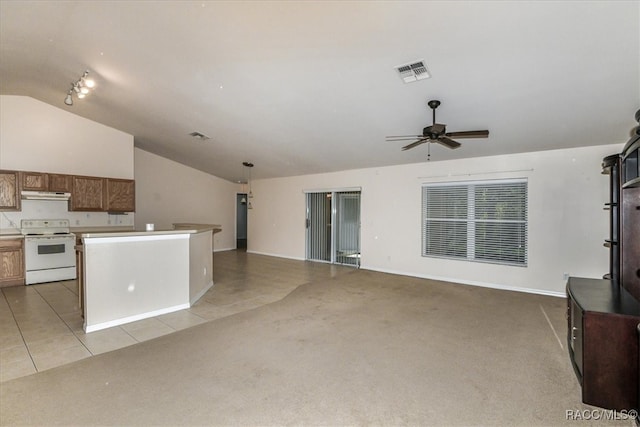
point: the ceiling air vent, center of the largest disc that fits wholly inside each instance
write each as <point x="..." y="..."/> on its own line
<point x="413" y="71"/>
<point x="200" y="136"/>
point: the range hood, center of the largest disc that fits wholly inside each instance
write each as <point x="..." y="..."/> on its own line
<point x="45" y="195"/>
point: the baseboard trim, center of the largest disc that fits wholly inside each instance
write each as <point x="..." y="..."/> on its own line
<point x="129" y="319"/>
<point x="200" y="294"/>
<point x="275" y="255"/>
<point x="471" y="282"/>
<point x="224" y="249"/>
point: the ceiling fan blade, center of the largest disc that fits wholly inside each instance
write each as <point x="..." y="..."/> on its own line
<point x="447" y="142"/>
<point x="397" y="137"/>
<point x="415" y="144"/>
<point x="469" y="134"/>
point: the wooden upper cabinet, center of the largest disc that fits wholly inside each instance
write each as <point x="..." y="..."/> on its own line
<point x="59" y="182"/>
<point x="9" y="191"/>
<point x="39" y="181"/>
<point x="34" y="181"/>
<point x="88" y="193"/>
<point x="121" y="196"/>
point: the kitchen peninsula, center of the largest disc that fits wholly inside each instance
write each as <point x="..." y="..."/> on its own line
<point x="133" y="275"/>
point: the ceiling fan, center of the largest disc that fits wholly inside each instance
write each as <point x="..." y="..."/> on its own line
<point x="437" y="132"/>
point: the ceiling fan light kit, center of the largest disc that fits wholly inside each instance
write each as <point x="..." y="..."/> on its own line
<point x="437" y="132"/>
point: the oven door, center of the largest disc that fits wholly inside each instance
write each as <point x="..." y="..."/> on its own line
<point x="49" y="258"/>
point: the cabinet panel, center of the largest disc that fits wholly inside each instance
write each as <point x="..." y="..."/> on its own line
<point x="630" y="241"/>
<point x="121" y="195"/>
<point x="34" y="181"/>
<point x="88" y="194"/>
<point x="59" y="182"/>
<point x="9" y="191"/>
<point x="11" y="262"/>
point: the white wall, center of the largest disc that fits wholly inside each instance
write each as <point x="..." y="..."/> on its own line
<point x="168" y="192"/>
<point x="567" y="223"/>
<point x="35" y="136"/>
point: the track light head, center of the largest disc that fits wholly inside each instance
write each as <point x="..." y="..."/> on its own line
<point x="81" y="88"/>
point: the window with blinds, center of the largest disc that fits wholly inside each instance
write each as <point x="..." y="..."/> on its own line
<point x="482" y="221"/>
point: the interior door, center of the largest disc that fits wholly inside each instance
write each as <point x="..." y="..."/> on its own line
<point x="241" y="221"/>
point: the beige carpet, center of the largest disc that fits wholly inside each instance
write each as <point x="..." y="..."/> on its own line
<point x="364" y="348"/>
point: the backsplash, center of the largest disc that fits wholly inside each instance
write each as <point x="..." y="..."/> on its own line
<point x="40" y="209"/>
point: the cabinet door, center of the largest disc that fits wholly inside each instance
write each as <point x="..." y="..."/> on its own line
<point x="88" y="194"/>
<point x="575" y="334"/>
<point x="9" y="191"/>
<point x="121" y="195"/>
<point x="59" y="182"/>
<point x="11" y="262"/>
<point x="34" y="181"/>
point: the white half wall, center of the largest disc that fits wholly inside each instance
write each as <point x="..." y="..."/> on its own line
<point x="567" y="222"/>
<point x="168" y="192"/>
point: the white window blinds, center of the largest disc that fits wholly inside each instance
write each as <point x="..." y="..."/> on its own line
<point x="478" y="221"/>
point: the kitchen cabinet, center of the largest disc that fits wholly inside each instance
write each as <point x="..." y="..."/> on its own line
<point x="40" y="181"/>
<point x="11" y="262"/>
<point x="34" y="181"/>
<point x="121" y="195"/>
<point x="9" y="191"/>
<point x="88" y="193"/>
<point x="60" y="182"/>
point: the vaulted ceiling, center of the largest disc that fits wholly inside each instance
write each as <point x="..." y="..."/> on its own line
<point x="300" y="87"/>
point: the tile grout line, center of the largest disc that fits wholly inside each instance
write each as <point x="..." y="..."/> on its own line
<point x="62" y="320"/>
<point x="24" y="342"/>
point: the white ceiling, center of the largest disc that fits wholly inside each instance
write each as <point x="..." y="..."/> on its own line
<point x="300" y="87"/>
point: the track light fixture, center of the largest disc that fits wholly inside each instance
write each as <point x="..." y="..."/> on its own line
<point x="80" y="88"/>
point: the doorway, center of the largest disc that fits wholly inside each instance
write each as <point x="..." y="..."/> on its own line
<point x="333" y="227"/>
<point x="241" y="221"/>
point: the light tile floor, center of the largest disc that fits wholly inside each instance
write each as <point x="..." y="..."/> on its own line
<point x="41" y="325"/>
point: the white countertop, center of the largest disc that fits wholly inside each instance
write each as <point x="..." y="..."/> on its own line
<point x="11" y="236"/>
<point x="141" y="233"/>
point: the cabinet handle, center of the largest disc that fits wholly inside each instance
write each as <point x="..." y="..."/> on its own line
<point x="573" y="335"/>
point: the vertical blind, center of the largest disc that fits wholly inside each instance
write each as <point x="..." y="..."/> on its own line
<point x="478" y="221"/>
<point x="333" y="227"/>
<point x="319" y="226"/>
<point x="347" y="236"/>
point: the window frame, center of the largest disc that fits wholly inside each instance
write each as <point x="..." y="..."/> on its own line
<point x="451" y="209"/>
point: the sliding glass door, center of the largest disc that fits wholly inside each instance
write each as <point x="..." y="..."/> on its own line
<point x="333" y="227"/>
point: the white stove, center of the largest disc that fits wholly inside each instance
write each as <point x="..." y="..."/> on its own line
<point x="49" y="253"/>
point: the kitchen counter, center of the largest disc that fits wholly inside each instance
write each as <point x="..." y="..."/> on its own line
<point x="133" y="275"/>
<point x="11" y="236"/>
<point x="134" y="233"/>
<point x="216" y="228"/>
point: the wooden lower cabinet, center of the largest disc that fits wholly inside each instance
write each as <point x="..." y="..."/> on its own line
<point x="12" y="262"/>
